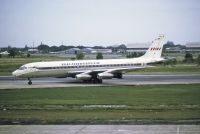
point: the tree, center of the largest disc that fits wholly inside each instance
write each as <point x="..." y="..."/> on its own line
<point x="169" y="44"/>
<point x="54" y="48"/>
<point x="12" y="52"/>
<point x="98" y="47"/>
<point x="171" y="62"/>
<point x="132" y="55"/>
<point x="198" y="59"/>
<point x="188" y="58"/>
<point x="44" y="48"/>
<point x="122" y="46"/>
<point x="73" y="58"/>
<point x="99" y="56"/>
<point x="28" y="55"/>
<point x="0" y="55"/>
<point x="26" y="48"/>
<point x="80" y="56"/>
<point x="80" y="47"/>
<point x="62" y="48"/>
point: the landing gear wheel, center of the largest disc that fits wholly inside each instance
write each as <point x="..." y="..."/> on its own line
<point x="29" y="81"/>
<point x="86" y="81"/>
<point x="100" y="80"/>
<point x="96" y="80"/>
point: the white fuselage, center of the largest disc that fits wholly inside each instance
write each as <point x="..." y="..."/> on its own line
<point x="67" y="68"/>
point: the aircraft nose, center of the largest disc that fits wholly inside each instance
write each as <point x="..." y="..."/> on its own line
<point x="14" y="73"/>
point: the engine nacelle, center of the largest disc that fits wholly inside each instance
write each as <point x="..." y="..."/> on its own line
<point x="105" y="76"/>
<point x="83" y="76"/>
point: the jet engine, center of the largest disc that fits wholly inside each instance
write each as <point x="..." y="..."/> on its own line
<point x="83" y="76"/>
<point x="105" y="76"/>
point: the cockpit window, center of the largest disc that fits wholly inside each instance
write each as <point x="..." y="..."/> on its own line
<point x="22" y="68"/>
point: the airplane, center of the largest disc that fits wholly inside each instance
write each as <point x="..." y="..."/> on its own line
<point x="92" y="71"/>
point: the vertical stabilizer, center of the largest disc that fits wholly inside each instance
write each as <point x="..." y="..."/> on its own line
<point x="155" y="49"/>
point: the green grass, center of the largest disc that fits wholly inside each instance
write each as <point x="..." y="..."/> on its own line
<point x="177" y="69"/>
<point x="130" y="104"/>
<point x="8" y="65"/>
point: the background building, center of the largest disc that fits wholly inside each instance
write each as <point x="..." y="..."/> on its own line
<point x="193" y="47"/>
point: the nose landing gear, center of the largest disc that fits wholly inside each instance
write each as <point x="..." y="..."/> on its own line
<point x="29" y="81"/>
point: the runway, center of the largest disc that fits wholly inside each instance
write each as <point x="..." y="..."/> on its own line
<point x="99" y="129"/>
<point x="9" y="82"/>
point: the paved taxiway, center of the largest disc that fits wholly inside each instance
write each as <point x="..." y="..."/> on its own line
<point x="100" y="129"/>
<point x="9" y="82"/>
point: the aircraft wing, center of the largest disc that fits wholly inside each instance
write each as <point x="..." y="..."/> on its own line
<point x="104" y="71"/>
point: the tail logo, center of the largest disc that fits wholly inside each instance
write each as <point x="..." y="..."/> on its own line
<point x="155" y="48"/>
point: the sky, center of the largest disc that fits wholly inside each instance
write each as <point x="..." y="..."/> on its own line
<point x="97" y="22"/>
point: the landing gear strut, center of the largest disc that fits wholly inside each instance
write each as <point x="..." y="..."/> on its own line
<point x="29" y="81"/>
<point x="118" y="76"/>
<point x="96" y="80"/>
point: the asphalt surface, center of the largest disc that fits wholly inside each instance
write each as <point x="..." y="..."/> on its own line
<point x="99" y="129"/>
<point x="9" y="82"/>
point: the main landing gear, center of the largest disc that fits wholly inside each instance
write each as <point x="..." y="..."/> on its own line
<point x="96" y="80"/>
<point x="119" y="75"/>
<point x="29" y="81"/>
<point x="93" y="80"/>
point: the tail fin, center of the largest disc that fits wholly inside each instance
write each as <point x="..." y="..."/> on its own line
<point x="155" y="49"/>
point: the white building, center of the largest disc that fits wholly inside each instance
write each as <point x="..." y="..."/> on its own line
<point x="104" y="51"/>
<point x="193" y="46"/>
<point x="73" y="51"/>
<point x="33" y="50"/>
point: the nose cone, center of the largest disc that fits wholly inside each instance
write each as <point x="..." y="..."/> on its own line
<point x="14" y="73"/>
